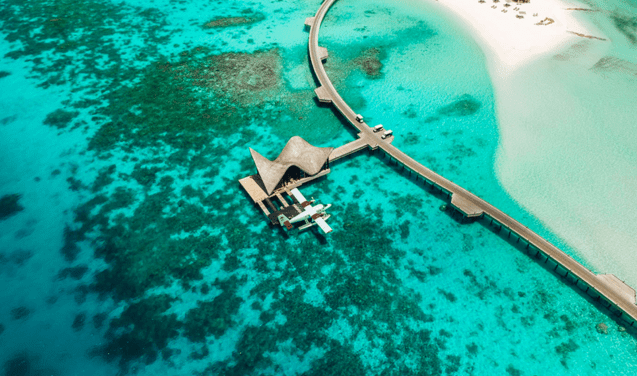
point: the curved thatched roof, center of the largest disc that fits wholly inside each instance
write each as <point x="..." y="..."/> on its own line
<point x="297" y="152"/>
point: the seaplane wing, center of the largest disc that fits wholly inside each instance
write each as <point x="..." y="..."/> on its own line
<point x="323" y="225"/>
<point x="298" y="196"/>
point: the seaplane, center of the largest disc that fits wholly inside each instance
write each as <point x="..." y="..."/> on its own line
<point x="309" y="215"/>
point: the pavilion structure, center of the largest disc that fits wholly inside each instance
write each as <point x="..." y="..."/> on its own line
<point x="298" y="163"/>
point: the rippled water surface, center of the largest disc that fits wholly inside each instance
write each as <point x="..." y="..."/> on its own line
<point x="129" y="247"/>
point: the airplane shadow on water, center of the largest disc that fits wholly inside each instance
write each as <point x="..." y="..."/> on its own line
<point x="322" y="239"/>
<point x="285" y="234"/>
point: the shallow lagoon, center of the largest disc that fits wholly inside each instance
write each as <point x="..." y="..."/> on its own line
<point x="137" y="250"/>
<point x="568" y="146"/>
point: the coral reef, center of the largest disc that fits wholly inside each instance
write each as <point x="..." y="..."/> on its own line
<point x="602" y="328"/>
<point x="187" y="103"/>
<point x="9" y="205"/>
<point x="76" y="272"/>
<point x="564" y="349"/>
<point x="370" y="62"/>
<point x="19" y="365"/>
<point x="466" y="105"/>
<point x="141" y="331"/>
<point x="20" y="313"/>
<point x="78" y="321"/>
<point x="60" y="118"/>
<point x="247" y="19"/>
<point x="18" y="257"/>
<point x="627" y="25"/>
<point x="212" y="317"/>
<point x="62" y="27"/>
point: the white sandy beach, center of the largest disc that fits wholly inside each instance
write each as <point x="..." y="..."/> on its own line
<point x="509" y="41"/>
<point x="565" y="107"/>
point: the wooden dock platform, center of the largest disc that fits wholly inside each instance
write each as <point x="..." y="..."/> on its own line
<point x="363" y="142"/>
<point x="619" y="297"/>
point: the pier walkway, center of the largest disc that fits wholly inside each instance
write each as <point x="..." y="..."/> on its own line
<point x="607" y="288"/>
<point x="365" y="141"/>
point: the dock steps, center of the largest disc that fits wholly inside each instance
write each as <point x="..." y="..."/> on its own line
<point x="322" y="53"/>
<point x="309" y="21"/>
<point x="323" y="94"/>
<point x="465" y="206"/>
<point x="619" y="286"/>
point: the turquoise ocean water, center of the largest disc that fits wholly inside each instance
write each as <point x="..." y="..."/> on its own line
<point x="128" y="246"/>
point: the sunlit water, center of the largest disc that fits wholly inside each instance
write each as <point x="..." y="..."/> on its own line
<point x="132" y="247"/>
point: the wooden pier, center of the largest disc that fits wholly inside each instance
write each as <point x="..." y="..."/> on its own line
<point x="617" y="296"/>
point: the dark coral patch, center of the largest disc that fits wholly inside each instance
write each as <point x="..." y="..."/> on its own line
<point x="62" y="29"/>
<point x="513" y="371"/>
<point x="466" y="105"/>
<point x="70" y="250"/>
<point x="141" y="331"/>
<point x="18" y="257"/>
<point x="8" y="119"/>
<point x="60" y="118"/>
<point x="144" y="175"/>
<point x="448" y="295"/>
<point x="564" y="349"/>
<point x="156" y="259"/>
<point x="223" y="22"/>
<point x="339" y="360"/>
<point x="20" y="313"/>
<point x="187" y="103"/>
<point x="98" y="320"/>
<point x="19" y="365"/>
<point x="78" y="322"/>
<point x="211" y="317"/>
<point x="370" y="62"/>
<point x="4" y="74"/>
<point x="9" y="205"/>
<point x="76" y="272"/>
<point x="472" y="348"/>
<point x="627" y="25"/>
<point x="242" y="76"/>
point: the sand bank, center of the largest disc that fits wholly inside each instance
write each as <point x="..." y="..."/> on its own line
<point x="565" y="97"/>
<point x="513" y="34"/>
